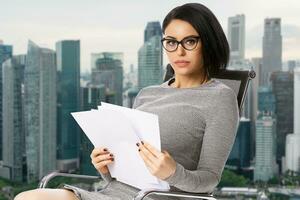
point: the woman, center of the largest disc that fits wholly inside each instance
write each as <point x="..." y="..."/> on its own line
<point x="198" y="115"/>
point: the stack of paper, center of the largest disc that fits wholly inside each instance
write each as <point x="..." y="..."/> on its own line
<point x="119" y="129"/>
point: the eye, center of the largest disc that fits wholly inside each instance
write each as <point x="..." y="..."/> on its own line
<point x="170" y="42"/>
<point x="190" y="41"/>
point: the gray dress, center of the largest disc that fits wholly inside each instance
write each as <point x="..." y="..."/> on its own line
<point x="197" y="127"/>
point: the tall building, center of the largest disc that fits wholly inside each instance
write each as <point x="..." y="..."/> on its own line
<point x="236" y="37"/>
<point x="293" y="140"/>
<point x="152" y="29"/>
<point x="68" y="100"/>
<point x="272" y="49"/>
<point x="40" y="111"/>
<point x="266" y="101"/>
<point x="91" y="96"/>
<point x="108" y="71"/>
<point x="240" y="156"/>
<point x="265" y="158"/>
<point x="150" y="60"/>
<point x="6" y="52"/>
<point x="256" y="63"/>
<point x="13" y="136"/>
<point x="283" y="90"/>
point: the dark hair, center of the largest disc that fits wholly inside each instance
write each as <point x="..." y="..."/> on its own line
<point x="215" y="48"/>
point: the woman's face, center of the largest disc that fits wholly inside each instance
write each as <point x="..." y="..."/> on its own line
<point x="184" y="62"/>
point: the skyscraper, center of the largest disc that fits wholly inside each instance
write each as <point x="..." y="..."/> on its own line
<point x="109" y="72"/>
<point x="293" y="140"/>
<point x="240" y="155"/>
<point x="13" y="136"/>
<point x="68" y="100"/>
<point x="236" y="37"/>
<point x="152" y="29"/>
<point x="40" y="111"/>
<point x="272" y="49"/>
<point x="265" y="158"/>
<point x="283" y="90"/>
<point x="150" y="61"/>
<point x="6" y="52"/>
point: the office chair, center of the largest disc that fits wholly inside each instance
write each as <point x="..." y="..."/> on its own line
<point x="238" y="80"/>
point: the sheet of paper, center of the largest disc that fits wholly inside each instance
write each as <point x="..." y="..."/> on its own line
<point x="145" y="124"/>
<point x="113" y="130"/>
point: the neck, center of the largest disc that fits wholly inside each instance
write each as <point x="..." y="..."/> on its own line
<point x="189" y="81"/>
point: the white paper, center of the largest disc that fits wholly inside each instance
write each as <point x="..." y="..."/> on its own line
<point x="114" y="130"/>
<point x="145" y="124"/>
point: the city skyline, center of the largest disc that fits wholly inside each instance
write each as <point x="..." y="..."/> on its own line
<point x="99" y="26"/>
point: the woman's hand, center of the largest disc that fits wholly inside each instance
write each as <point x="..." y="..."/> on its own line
<point x="160" y="164"/>
<point x="101" y="157"/>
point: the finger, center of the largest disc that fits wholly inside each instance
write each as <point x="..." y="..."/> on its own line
<point x="102" y="164"/>
<point x="99" y="151"/>
<point x="102" y="158"/>
<point x="152" y="149"/>
<point x="148" y="154"/>
<point x="148" y="162"/>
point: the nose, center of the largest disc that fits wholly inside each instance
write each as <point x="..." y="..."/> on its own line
<point x="180" y="50"/>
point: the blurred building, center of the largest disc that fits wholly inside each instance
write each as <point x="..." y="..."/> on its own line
<point x="13" y="127"/>
<point x="108" y="71"/>
<point x="6" y="52"/>
<point x="236" y="37"/>
<point x="293" y="140"/>
<point x="265" y="157"/>
<point x="272" y="49"/>
<point x="150" y="61"/>
<point x="40" y="111"/>
<point x="68" y="100"/>
<point x="283" y="90"/>
<point x="240" y="155"/>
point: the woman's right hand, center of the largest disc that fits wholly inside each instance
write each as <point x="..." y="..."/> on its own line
<point x="101" y="157"/>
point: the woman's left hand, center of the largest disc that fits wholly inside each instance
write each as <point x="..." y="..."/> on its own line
<point x="160" y="164"/>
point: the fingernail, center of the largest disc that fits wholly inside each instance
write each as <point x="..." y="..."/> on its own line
<point x="142" y="142"/>
<point x="112" y="159"/>
<point x="137" y="144"/>
<point x="105" y="149"/>
<point x="139" y="150"/>
<point x="111" y="155"/>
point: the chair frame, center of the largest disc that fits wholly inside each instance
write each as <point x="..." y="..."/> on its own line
<point x="245" y="76"/>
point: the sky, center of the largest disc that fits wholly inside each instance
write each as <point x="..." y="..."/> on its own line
<point x="118" y="26"/>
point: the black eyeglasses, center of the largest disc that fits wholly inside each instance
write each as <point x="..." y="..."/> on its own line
<point x="188" y="43"/>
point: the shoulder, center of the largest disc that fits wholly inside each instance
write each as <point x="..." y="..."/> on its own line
<point x="224" y="91"/>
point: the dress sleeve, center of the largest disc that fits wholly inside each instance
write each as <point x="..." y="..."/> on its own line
<point x="106" y="177"/>
<point x="221" y="126"/>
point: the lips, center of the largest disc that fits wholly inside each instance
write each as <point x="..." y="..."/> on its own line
<point x="182" y="63"/>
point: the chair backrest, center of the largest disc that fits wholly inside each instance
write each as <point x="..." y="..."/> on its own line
<point x="238" y="80"/>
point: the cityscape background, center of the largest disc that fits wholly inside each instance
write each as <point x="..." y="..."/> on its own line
<point x="57" y="58"/>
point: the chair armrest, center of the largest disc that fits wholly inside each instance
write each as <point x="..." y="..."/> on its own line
<point x="143" y="193"/>
<point x="45" y="180"/>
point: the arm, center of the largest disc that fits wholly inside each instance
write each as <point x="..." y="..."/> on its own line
<point x="221" y="126"/>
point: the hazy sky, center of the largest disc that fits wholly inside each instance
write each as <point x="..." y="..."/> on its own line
<point x="119" y="25"/>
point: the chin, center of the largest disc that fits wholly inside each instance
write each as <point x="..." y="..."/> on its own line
<point x="183" y="72"/>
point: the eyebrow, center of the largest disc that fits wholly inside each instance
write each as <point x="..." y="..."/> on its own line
<point x="171" y="37"/>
